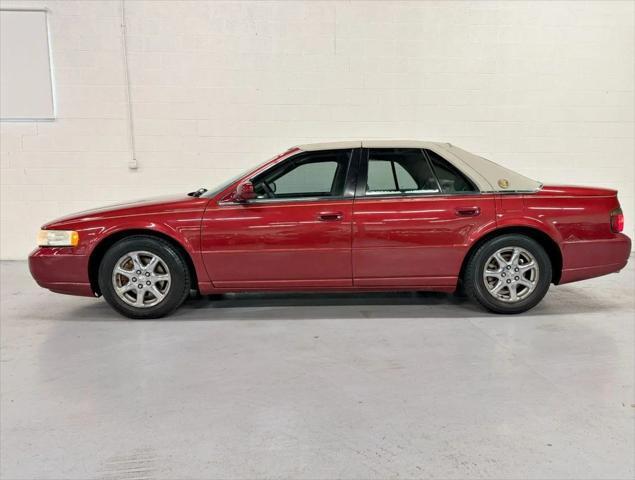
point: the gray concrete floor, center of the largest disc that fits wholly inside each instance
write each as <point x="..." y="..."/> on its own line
<point x="318" y="386"/>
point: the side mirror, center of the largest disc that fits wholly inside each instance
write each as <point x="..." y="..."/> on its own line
<point x="244" y="192"/>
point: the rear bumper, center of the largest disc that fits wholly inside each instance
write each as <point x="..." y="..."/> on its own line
<point x="61" y="271"/>
<point x="593" y="258"/>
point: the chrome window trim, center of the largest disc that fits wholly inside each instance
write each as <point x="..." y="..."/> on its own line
<point x="265" y="201"/>
<point x="425" y="195"/>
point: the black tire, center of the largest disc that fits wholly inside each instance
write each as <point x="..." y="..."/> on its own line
<point x="475" y="286"/>
<point x="180" y="280"/>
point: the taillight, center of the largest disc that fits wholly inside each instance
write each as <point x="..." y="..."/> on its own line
<point x="617" y="220"/>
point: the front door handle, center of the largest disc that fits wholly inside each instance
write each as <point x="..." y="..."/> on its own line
<point x="330" y="216"/>
<point x="468" y="211"/>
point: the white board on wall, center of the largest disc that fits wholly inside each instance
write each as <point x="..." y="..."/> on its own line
<point x="26" y="80"/>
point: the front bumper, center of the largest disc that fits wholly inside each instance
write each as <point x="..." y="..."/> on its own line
<point x="593" y="258"/>
<point x="61" y="270"/>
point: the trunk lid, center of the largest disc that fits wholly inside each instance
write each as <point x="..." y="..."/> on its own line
<point x="575" y="191"/>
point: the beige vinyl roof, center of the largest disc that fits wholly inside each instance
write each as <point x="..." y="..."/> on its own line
<point x="487" y="175"/>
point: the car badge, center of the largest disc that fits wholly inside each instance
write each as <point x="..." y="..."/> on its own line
<point x="503" y="183"/>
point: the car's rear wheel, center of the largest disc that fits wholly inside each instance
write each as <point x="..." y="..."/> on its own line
<point x="508" y="274"/>
<point x="144" y="277"/>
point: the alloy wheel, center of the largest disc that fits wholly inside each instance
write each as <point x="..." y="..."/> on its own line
<point x="511" y="274"/>
<point x="141" y="279"/>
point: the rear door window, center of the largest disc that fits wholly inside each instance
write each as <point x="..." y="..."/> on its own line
<point x="399" y="171"/>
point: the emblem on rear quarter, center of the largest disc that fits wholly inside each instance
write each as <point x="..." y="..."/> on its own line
<point x="503" y="183"/>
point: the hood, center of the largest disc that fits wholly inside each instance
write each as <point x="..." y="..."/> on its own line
<point x="145" y="206"/>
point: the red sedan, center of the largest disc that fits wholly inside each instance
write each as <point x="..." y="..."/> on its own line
<point x="364" y="215"/>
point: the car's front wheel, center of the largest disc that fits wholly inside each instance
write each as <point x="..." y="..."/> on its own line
<point x="508" y="274"/>
<point x="144" y="277"/>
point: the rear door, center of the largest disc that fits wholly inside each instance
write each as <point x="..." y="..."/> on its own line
<point x="413" y="216"/>
<point x="296" y="234"/>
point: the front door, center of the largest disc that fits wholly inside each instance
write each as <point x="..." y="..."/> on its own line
<point x="295" y="234"/>
<point x="413" y="216"/>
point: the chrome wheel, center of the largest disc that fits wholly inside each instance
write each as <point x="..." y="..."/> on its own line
<point x="511" y="274"/>
<point x="141" y="279"/>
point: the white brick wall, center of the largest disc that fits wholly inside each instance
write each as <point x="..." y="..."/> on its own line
<point x="545" y="88"/>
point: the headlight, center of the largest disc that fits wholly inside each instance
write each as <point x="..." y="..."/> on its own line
<point x="57" y="238"/>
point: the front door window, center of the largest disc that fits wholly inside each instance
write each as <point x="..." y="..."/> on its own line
<point x="308" y="175"/>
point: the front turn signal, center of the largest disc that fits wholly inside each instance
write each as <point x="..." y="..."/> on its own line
<point x="57" y="238"/>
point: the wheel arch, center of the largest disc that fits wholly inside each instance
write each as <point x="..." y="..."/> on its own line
<point x="105" y="243"/>
<point x="545" y="240"/>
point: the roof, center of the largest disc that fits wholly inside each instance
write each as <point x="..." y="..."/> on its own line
<point x="368" y="144"/>
<point x="487" y="175"/>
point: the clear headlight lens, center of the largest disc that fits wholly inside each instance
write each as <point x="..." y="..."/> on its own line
<point x="57" y="238"/>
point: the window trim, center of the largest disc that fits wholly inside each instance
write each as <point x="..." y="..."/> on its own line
<point x="360" y="191"/>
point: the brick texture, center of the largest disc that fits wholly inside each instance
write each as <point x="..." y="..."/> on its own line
<point x="545" y="88"/>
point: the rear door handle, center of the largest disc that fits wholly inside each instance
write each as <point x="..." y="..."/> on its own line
<point x="330" y="216"/>
<point x="468" y="211"/>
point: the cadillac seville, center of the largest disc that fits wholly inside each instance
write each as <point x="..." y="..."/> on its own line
<point x="342" y="216"/>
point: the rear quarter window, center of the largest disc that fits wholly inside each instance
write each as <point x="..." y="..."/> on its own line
<point x="450" y="179"/>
